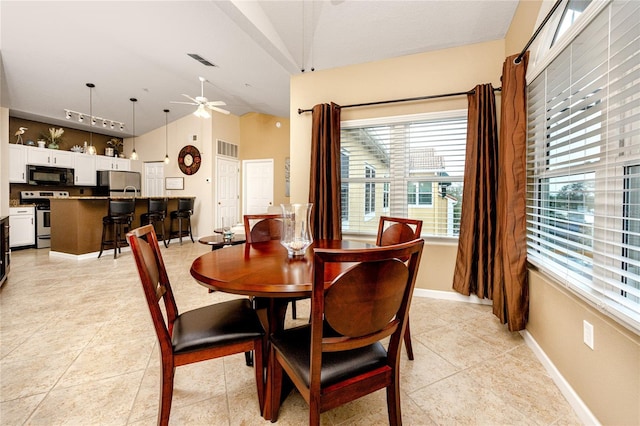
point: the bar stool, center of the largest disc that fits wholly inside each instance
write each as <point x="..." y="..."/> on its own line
<point x="184" y="212"/>
<point x="156" y="213"/>
<point x="120" y="215"/>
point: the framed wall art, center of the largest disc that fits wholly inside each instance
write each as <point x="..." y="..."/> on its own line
<point x="174" y="183"/>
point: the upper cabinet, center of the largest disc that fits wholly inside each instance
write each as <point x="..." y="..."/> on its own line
<point x="50" y="157"/>
<point x="112" y="163"/>
<point x="85" y="170"/>
<point x="17" y="163"/>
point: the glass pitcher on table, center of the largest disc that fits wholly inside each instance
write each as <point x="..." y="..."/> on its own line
<point x="296" y="237"/>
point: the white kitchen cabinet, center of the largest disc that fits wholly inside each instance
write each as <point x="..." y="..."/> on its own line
<point x="85" y="169"/>
<point x="17" y="163"/>
<point x="50" y="157"/>
<point x="112" y="163"/>
<point x="22" y="226"/>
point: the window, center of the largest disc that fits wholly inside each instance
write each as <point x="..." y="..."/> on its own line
<point x="369" y="191"/>
<point x="420" y="194"/>
<point x="396" y="166"/>
<point x="573" y="9"/>
<point x="583" y="163"/>
<point x="344" y="189"/>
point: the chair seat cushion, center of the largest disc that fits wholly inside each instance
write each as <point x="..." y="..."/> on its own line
<point x="295" y="345"/>
<point x="216" y="325"/>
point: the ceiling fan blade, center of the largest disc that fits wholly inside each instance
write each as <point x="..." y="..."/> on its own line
<point x="190" y="98"/>
<point x="220" y="110"/>
<point x="184" y="103"/>
<point x="216" y="103"/>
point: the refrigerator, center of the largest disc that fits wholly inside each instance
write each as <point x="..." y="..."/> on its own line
<point x="116" y="183"/>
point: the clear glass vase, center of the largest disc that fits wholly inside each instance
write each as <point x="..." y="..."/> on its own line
<point x="297" y="232"/>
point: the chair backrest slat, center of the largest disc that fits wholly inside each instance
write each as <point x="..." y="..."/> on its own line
<point x="154" y="279"/>
<point x="395" y="230"/>
<point x="367" y="302"/>
<point x="262" y="227"/>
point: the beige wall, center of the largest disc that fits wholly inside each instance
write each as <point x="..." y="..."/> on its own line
<point x="151" y="147"/>
<point x="445" y="71"/>
<point x="607" y="379"/>
<point x="262" y="139"/>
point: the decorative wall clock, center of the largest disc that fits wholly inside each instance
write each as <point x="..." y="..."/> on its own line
<point x="189" y="160"/>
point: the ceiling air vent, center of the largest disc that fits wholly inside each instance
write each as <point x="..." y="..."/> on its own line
<point x="200" y="59"/>
<point x="227" y="149"/>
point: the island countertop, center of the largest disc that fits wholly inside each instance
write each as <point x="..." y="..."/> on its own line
<point x="76" y="222"/>
<point x="106" y="197"/>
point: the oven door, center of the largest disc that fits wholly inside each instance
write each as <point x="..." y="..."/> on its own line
<point x="43" y="227"/>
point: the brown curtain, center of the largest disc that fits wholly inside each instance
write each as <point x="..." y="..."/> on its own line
<point x="324" y="185"/>
<point x="511" y="290"/>
<point x="476" y="244"/>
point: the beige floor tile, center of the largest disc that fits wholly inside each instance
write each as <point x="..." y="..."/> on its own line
<point x="77" y="347"/>
<point x="99" y="402"/>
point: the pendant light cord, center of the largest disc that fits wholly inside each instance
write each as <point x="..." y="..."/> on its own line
<point x="166" y="136"/>
<point x="134" y="155"/>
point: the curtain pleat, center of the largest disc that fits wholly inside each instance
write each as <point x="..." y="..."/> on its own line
<point x="511" y="291"/>
<point x="474" y="267"/>
<point x="324" y="184"/>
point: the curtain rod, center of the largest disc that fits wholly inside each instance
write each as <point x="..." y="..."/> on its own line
<point x="535" y="34"/>
<point x="446" y="95"/>
<point x="393" y="101"/>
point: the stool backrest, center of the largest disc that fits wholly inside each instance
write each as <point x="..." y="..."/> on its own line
<point x="122" y="207"/>
<point x="185" y="204"/>
<point x="157" y="205"/>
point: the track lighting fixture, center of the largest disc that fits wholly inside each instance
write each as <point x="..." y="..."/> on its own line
<point x="80" y="116"/>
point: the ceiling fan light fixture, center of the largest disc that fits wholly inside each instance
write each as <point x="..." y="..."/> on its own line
<point x="202" y="112"/>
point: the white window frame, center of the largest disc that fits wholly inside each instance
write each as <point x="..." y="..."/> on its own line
<point x="399" y="176"/>
<point x="599" y="283"/>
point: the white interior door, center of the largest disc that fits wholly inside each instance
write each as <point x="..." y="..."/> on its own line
<point x="227" y="191"/>
<point x="257" y="178"/>
<point x="154" y="179"/>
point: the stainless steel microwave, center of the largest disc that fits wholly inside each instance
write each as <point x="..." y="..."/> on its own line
<point x="53" y="176"/>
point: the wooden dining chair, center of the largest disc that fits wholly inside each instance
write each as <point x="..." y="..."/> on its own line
<point x="338" y="357"/>
<point x="205" y="333"/>
<point x="265" y="227"/>
<point x="396" y="230"/>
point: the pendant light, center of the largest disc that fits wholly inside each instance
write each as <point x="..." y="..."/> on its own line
<point x="91" y="149"/>
<point x="166" y="136"/>
<point x="134" y="154"/>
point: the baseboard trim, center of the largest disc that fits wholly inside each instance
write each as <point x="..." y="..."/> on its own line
<point x="450" y="295"/>
<point x="580" y="408"/>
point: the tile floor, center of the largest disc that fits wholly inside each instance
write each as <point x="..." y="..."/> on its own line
<point x="77" y="347"/>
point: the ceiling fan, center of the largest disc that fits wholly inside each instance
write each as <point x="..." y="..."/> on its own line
<point x="203" y="103"/>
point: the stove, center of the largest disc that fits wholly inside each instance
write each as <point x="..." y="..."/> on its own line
<point x="43" y="213"/>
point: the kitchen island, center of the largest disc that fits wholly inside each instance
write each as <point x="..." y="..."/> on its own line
<point x="76" y="222"/>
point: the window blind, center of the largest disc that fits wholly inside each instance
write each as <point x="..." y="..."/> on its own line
<point x="410" y="166"/>
<point x="584" y="164"/>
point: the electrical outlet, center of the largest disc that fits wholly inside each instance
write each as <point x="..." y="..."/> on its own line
<point x="587" y="329"/>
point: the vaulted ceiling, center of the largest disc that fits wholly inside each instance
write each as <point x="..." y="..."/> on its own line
<point x="51" y="49"/>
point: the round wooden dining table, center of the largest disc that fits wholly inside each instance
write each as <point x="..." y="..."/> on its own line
<point x="265" y="270"/>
